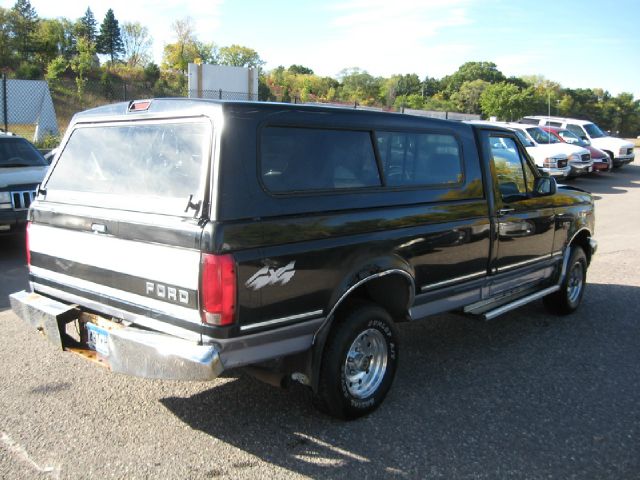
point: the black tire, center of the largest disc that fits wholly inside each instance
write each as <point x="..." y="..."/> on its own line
<point x="568" y="298"/>
<point x="613" y="163"/>
<point x="351" y="389"/>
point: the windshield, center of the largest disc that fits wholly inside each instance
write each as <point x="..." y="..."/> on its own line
<point x="17" y="152"/>
<point x="542" y="137"/>
<point x="139" y="166"/>
<point x="572" y="138"/>
<point x="524" y="139"/>
<point x="593" y="130"/>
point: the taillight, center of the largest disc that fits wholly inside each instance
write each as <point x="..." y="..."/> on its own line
<point x="26" y="237"/>
<point x="218" y="289"/>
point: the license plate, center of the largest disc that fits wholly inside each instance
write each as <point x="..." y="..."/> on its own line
<point x="589" y="169"/>
<point x="98" y="339"/>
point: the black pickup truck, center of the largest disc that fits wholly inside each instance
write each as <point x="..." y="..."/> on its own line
<point x="177" y="238"/>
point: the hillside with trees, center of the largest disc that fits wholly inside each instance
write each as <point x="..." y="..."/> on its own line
<point x="89" y="62"/>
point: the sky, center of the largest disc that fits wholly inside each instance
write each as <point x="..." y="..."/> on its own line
<point x="577" y="43"/>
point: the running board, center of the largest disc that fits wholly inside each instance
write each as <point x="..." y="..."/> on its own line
<point x="491" y="314"/>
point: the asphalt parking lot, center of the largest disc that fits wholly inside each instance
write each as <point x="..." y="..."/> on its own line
<point x="527" y="395"/>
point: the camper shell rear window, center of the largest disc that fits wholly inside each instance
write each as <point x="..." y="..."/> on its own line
<point x="144" y="166"/>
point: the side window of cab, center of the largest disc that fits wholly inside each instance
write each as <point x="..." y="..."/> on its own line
<point x="577" y="130"/>
<point x="514" y="174"/>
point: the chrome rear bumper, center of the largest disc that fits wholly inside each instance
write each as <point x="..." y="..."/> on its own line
<point x="131" y="350"/>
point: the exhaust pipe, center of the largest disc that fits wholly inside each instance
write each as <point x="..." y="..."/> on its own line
<point x="275" y="379"/>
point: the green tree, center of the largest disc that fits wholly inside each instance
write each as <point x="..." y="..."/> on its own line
<point x="49" y="40"/>
<point x="239" y="56"/>
<point x="469" y="71"/>
<point x="467" y="98"/>
<point x="151" y="74"/>
<point x="359" y="86"/>
<point x="6" y="41"/>
<point x="621" y="115"/>
<point x="431" y="86"/>
<point x="137" y="44"/>
<point x="67" y="46"/>
<point x="82" y="64"/>
<point x="109" y="41"/>
<point x="299" y="70"/>
<point x="56" y="68"/>
<point x="23" y="22"/>
<point x="505" y="101"/>
<point x="87" y="25"/>
<point x="414" y="100"/>
<point x="187" y="48"/>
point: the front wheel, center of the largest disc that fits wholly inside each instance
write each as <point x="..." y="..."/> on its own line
<point x="359" y="363"/>
<point x="568" y="298"/>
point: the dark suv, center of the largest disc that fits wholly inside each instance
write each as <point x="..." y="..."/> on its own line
<point x="22" y="168"/>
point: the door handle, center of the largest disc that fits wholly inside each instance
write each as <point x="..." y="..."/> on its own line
<point x="505" y="211"/>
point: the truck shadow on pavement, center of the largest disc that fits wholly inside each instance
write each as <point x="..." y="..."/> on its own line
<point x="527" y="395"/>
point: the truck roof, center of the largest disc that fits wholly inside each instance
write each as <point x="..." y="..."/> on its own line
<point x="559" y="119"/>
<point x="190" y="106"/>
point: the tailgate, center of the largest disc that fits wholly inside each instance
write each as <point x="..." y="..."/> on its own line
<point x="117" y="225"/>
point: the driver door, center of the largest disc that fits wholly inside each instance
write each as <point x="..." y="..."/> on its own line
<point x="525" y="222"/>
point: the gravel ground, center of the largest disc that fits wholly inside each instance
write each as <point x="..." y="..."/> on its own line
<point x="527" y="395"/>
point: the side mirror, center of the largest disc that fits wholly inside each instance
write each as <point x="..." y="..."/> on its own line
<point x="544" y="186"/>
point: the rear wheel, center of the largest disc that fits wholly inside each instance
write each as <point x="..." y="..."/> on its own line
<point x="359" y="363"/>
<point x="568" y="298"/>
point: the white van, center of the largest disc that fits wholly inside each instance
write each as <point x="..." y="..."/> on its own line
<point x="620" y="151"/>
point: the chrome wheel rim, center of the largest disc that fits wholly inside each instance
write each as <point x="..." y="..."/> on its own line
<point x="575" y="282"/>
<point x="366" y="363"/>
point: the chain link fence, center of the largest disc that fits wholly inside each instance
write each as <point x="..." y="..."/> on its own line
<point x="26" y="108"/>
<point x="223" y="95"/>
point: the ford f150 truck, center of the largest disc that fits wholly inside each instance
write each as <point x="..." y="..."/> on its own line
<point x="177" y="238"/>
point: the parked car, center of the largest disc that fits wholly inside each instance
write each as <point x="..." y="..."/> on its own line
<point x="579" y="158"/>
<point x="179" y="238"/>
<point x="22" y="168"/>
<point x="601" y="161"/>
<point x="550" y="158"/>
<point x="620" y="151"/>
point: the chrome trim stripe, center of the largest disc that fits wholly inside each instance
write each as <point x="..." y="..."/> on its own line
<point x="573" y="237"/>
<point x="525" y="262"/>
<point x="363" y="281"/>
<point x="188" y="314"/>
<point x="275" y="321"/>
<point x="169" y="265"/>
<point x="431" y="286"/>
<point x="116" y="312"/>
<point x="559" y="253"/>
